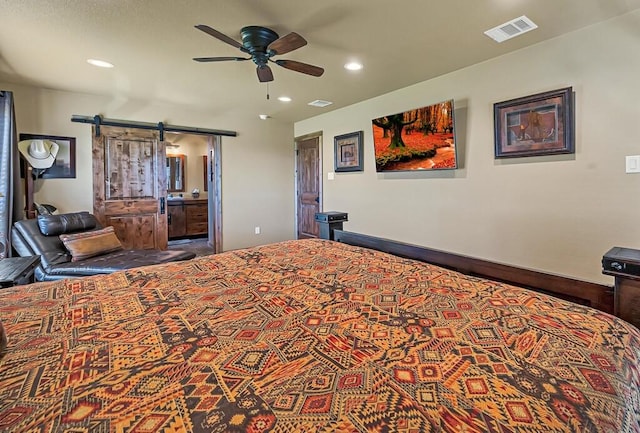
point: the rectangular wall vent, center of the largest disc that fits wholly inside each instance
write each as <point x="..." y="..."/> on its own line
<point x="511" y="29"/>
<point x="319" y="103"/>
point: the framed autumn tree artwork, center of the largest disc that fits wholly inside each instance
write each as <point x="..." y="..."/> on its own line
<point x="418" y="139"/>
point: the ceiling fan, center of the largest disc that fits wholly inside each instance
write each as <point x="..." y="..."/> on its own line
<point x="261" y="44"/>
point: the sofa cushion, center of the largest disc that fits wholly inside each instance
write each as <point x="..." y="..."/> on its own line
<point x="54" y="225"/>
<point x="112" y="262"/>
<point x="90" y="244"/>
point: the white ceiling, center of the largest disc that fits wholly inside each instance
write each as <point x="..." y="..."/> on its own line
<point x="152" y="43"/>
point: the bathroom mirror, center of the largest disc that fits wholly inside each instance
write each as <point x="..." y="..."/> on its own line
<point x="175" y="173"/>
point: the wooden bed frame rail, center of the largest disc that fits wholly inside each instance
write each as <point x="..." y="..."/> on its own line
<point x="591" y="294"/>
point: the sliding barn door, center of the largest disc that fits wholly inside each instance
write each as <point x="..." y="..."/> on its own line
<point x="129" y="182"/>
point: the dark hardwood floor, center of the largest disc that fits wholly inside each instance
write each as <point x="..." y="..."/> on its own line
<point x="199" y="246"/>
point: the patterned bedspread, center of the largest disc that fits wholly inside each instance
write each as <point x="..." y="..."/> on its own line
<point x="310" y="336"/>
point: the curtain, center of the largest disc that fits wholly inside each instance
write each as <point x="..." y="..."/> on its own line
<point x="9" y="171"/>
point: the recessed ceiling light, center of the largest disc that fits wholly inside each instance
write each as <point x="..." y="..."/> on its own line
<point x="100" y="63"/>
<point x="263" y="116"/>
<point x="319" y="103"/>
<point x="284" y="99"/>
<point x="353" y="66"/>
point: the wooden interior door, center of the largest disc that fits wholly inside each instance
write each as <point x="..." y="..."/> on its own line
<point x="308" y="185"/>
<point x="129" y="183"/>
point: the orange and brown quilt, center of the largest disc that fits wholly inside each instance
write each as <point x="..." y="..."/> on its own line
<point x="310" y="336"/>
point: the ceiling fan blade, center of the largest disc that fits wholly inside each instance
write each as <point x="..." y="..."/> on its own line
<point x="219" y="59"/>
<point x="287" y="43"/>
<point x="305" y="68"/>
<point x="221" y="36"/>
<point x="264" y="73"/>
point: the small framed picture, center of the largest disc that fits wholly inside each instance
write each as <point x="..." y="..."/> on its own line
<point x="65" y="160"/>
<point x="540" y="124"/>
<point x="348" y="152"/>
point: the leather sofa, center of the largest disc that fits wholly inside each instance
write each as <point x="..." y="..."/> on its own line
<point x="41" y="237"/>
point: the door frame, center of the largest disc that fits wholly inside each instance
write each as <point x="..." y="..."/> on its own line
<point x="318" y="135"/>
<point x="214" y="191"/>
<point x="213" y="178"/>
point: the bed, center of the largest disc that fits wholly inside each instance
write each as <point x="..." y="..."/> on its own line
<point x="310" y="336"/>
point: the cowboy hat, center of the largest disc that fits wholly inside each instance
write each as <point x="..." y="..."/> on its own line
<point x="39" y="153"/>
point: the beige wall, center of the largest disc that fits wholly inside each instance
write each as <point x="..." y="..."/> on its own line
<point x="257" y="165"/>
<point x="557" y="214"/>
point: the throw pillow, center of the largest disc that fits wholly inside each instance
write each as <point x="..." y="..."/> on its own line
<point x="90" y="244"/>
<point x="43" y="209"/>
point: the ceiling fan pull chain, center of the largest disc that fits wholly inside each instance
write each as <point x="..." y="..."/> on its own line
<point x="267" y="90"/>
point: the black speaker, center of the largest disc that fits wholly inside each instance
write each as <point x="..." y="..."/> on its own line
<point x="330" y="221"/>
<point x="621" y="261"/>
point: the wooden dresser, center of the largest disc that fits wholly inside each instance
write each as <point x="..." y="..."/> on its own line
<point x="187" y="217"/>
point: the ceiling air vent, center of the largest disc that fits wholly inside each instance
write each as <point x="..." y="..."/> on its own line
<point x="511" y="29"/>
<point x="319" y="103"/>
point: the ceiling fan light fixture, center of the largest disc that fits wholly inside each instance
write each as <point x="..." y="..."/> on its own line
<point x="262" y="44"/>
<point x="100" y="63"/>
<point x="353" y="66"/>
